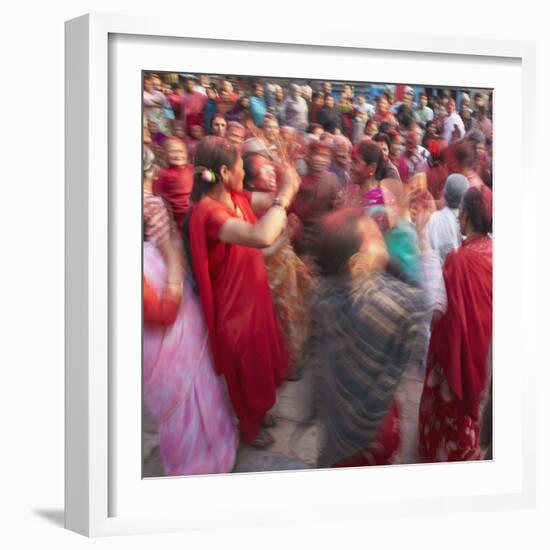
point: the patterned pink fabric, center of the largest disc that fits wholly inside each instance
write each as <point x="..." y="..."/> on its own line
<point x="197" y="432"/>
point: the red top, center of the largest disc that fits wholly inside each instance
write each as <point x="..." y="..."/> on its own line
<point x="246" y="340"/>
<point x="460" y="340"/>
<point x="157" y="311"/>
<point x="174" y="184"/>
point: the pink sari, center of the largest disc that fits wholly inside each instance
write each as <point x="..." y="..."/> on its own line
<point x="197" y="433"/>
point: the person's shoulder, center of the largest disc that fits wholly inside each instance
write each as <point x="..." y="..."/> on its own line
<point x="397" y="297"/>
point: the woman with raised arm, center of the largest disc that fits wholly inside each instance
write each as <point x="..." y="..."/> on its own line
<point x="224" y="241"/>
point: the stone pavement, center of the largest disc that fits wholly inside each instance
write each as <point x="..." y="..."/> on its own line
<point x="296" y="434"/>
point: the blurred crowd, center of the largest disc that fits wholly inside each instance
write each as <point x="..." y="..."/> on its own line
<point x="306" y="226"/>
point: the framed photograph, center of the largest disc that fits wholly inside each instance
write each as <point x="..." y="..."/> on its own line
<point x="141" y="95"/>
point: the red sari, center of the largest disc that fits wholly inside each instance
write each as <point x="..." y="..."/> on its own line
<point x="246" y="340"/>
<point x="457" y="377"/>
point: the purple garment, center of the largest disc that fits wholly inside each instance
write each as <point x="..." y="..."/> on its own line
<point x="197" y="433"/>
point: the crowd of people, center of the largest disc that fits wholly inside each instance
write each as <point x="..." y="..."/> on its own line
<point x="289" y="228"/>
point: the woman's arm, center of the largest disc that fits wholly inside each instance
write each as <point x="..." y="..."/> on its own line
<point x="257" y="235"/>
<point x="261" y="201"/>
<point x="264" y="232"/>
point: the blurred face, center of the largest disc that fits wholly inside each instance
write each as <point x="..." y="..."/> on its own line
<point x="346" y="92"/>
<point x="179" y="130"/>
<point x="189" y="85"/>
<point x="341" y="155"/>
<point x="360" y="170"/>
<point x="480" y="151"/>
<point x="219" y="126"/>
<point x="259" y="90"/>
<point x="176" y="153"/>
<point x="407" y="100"/>
<point x="279" y="95"/>
<point x="318" y="132"/>
<point x="372" y="129"/>
<point x="211" y="93"/>
<point x="423" y="101"/>
<point x="196" y="132"/>
<point x="453" y="166"/>
<point x="362" y="100"/>
<point x="245" y="102"/>
<point x="227" y="86"/>
<point x="411" y="144"/>
<point x="383" y="104"/>
<point x="396" y="146"/>
<point x="204" y="80"/>
<point x="235" y="176"/>
<point x="265" y="176"/>
<point x="271" y="130"/>
<point x="385" y="149"/>
<point x="431" y="129"/>
<point x="329" y="101"/>
<point x="157" y="83"/>
<point x="327" y="87"/>
<point x="148" y="85"/>
<point x="318" y="163"/>
<point x="235" y="136"/>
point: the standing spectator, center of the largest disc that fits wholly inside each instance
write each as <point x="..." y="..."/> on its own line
<point x="175" y="182"/>
<point x="443" y="226"/>
<point x="453" y="127"/>
<point x="317" y="103"/>
<point x="330" y="117"/>
<point x="460" y="159"/>
<point x="482" y="122"/>
<point x="193" y="102"/>
<point x="176" y="100"/>
<point x="423" y="113"/>
<point x="457" y="377"/>
<point x="296" y="109"/>
<point x="153" y="106"/>
<point x="383" y="113"/>
<point x="277" y="107"/>
<point x="258" y="106"/>
<point x="203" y="84"/>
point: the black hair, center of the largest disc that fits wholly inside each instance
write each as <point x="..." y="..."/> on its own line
<point x="338" y="239"/>
<point x="371" y="153"/>
<point x="478" y="207"/>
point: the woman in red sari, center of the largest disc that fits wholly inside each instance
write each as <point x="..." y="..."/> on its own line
<point x="225" y="240"/>
<point x="457" y="377"/>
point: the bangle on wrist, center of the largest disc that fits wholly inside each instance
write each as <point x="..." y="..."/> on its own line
<point x="280" y="203"/>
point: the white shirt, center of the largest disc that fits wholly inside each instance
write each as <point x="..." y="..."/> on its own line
<point x="449" y="127"/>
<point x="444" y="231"/>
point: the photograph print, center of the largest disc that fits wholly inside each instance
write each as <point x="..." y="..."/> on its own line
<point x="317" y="274"/>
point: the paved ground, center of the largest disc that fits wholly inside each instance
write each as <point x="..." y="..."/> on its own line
<point x="296" y="434"/>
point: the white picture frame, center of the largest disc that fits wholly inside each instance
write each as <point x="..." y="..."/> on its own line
<point x="100" y="428"/>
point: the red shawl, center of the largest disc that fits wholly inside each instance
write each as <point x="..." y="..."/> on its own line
<point x="174" y="184"/>
<point x="461" y="339"/>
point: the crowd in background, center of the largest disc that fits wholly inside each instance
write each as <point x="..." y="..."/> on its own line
<point x="292" y="226"/>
